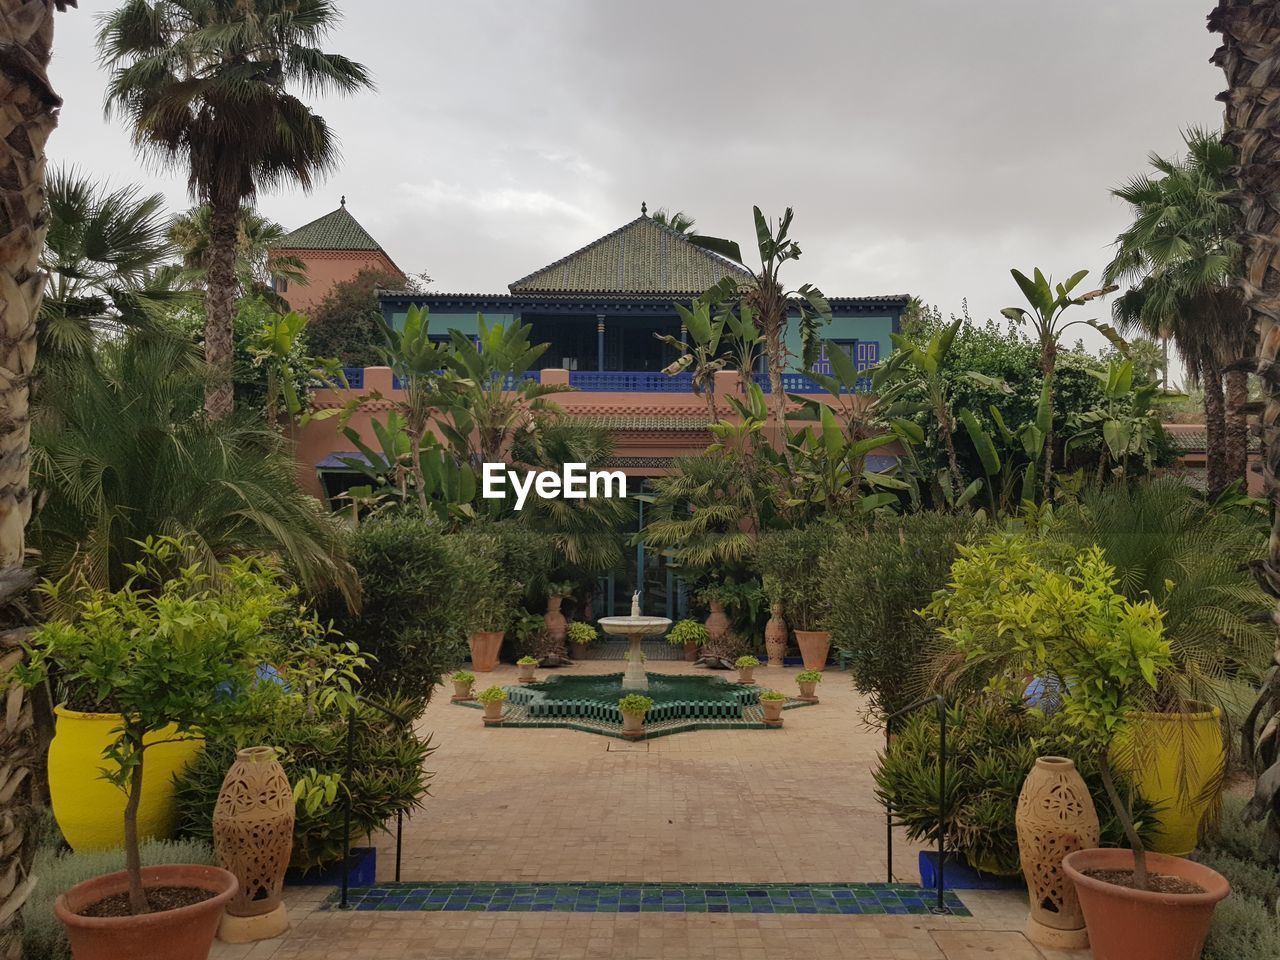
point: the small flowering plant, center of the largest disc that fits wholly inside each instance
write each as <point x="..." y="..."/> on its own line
<point x="809" y="676"/>
<point x="492" y="695"/>
<point x="746" y="662"/>
<point x="527" y="661"/>
<point x="773" y="695"/>
<point x="635" y="704"/>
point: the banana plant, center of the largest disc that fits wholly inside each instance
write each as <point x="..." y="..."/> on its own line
<point x="1049" y="302"/>
<point x="829" y="468"/>
<point x="1128" y="425"/>
<point x="700" y="354"/>
<point x="1008" y="459"/>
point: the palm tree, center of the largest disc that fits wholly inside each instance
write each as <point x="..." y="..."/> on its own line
<point x="107" y="262"/>
<point x="122" y="451"/>
<point x="203" y="85"/>
<point x="257" y="268"/>
<point x="1250" y="58"/>
<point x="1182" y="257"/>
<point x="677" y="220"/>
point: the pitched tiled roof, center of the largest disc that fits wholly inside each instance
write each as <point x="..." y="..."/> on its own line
<point x="334" y="231"/>
<point x="640" y="257"/>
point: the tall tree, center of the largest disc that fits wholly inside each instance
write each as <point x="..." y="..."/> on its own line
<point x="1250" y="58"/>
<point x="1182" y="257"/>
<point x="257" y="268"/>
<point x="203" y="85"/>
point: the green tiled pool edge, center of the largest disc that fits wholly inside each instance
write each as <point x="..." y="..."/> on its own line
<point x="850" y="899"/>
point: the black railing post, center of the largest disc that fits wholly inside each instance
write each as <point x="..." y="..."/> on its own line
<point x="941" y="704"/>
<point x="399" y="840"/>
<point x="346" y="813"/>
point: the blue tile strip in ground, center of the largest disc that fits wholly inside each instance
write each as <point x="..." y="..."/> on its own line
<point x="490" y="897"/>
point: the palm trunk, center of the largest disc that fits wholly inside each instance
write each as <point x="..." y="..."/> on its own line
<point x="1237" y="428"/>
<point x="30" y="115"/>
<point x="220" y="294"/>
<point x="1215" y="430"/>
<point x="1250" y="58"/>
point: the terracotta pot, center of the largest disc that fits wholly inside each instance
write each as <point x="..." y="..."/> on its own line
<point x="775" y="637"/>
<point x="807" y="688"/>
<point x="1055" y="817"/>
<point x="557" y="627"/>
<point x="814" y="647"/>
<point x="182" y="934"/>
<point x="462" y="691"/>
<point x="633" y="725"/>
<point x="579" y="651"/>
<point x="485" y="645"/>
<point x="745" y="674"/>
<point x="717" y="622"/>
<point x="526" y="672"/>
<point x="690" y="651"/>
<point x="1129" y="924"/>
<point x="253" y="830"/>
<point x="773" y="711"/>
<point x="493" y="710"/>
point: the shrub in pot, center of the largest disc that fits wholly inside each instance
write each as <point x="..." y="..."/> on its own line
<point x="690" y="635"/>
<point x="772" y="701"/>
<point x="808" y="681"/>
<point x="633" y="708"/>
<point x="746" y="666"/>
<point x="581" y="636"/>
<point x="164" y="657"/>
<point x="493" y="698"/>
<point x="527" y="665"/>
<point x="875" y="580"/>
<point x="463" y="681"/>
<point x="1027" y="609"/>
<point x="791" y="559"/>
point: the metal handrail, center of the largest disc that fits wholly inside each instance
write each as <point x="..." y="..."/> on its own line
<point x="344" y="904"/>
<point x="940" y="703"/>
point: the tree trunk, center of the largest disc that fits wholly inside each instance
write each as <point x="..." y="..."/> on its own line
<point x="220" y="295"/>
<point x="29" y="114"/>
<point x="1250" y="58"/>
<point x="1215" y="430"/>
<point x="1237" y="428"/>
<point x="1126" y="821"/>
<point x="776" y="349"/>
<point x="138" y="902"/>
<point x="1048" y="364"/>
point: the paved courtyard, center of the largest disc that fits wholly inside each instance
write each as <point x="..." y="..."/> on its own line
<point x="795" y="805"/>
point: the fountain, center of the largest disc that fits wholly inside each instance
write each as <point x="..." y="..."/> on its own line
<point x="635" y="628"/>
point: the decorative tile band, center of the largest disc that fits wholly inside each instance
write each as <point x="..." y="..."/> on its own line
<point x="841" y="898"/>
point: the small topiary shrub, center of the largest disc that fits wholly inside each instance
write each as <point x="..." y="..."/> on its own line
<point x="635" y="704"/>
<point x="746" y="662"/>
<point x="687" y="631"/>
<point x="492" y="695"/>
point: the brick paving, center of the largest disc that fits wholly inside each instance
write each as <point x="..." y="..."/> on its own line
<point x="794" y="805"/>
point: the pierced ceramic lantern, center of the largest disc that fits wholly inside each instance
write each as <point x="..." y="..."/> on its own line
<point x="253" y="838"/>
<point x="1055" y="817"/>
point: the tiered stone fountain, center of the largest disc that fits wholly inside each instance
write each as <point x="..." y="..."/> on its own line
<point x="635" y="629"/>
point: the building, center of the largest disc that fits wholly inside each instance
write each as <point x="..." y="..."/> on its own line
<point x="333" y="249"/>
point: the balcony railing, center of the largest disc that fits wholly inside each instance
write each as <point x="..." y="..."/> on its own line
<point x="626" y="381"/>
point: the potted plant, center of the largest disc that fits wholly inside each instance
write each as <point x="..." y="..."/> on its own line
<point x="527" y="665"/>
<point x="746" y="664"/>
<point x="808" y="680"/>
<point x="772" y="701"/>
<point x="493" y="698"/>
<point x="775" y="631"/>
<point x="168" y="652"/>
<point x="790" y="559"/>
<point x="581" y="636"/>
<point x="690" y="635"/>
<point x="494" y="610"/>
<point x="1015" y="603"/>
<point x="463" y="681"/>
<point x="633" y="708"/>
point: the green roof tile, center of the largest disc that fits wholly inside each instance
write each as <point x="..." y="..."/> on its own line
<point x="642" y="256"/>
<point x="334" y="231"/>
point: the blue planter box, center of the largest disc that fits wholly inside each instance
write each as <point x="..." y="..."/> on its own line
<point x="960" y="876"/>
<point x="363" y="864"/>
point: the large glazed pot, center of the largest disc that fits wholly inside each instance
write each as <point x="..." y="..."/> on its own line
<point x="253" y="838"/>
<point x="557" y="627"/>
<point x="814" y="647"/>
<point x="1176" y="761"/>
<point x="485" y="645"/>
<point x="775" y="637"/>
<point x="1055" y="817"/>
<point x="182" y="934"/>
<point x="1127" y="924"/>
<point x="718" y="623"/>
<point x="89" y="810"/>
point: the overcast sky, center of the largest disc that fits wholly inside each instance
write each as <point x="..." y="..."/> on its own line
<point x="926" y="145"/>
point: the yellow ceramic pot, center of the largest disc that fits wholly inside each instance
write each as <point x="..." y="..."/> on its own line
<point x="89" y="810"/>
<point x="1177" y="762"/>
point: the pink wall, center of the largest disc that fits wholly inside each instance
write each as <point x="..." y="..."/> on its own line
<point x="327" y="268"/>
